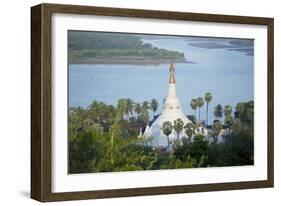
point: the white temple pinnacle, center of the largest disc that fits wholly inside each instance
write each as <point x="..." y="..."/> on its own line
<point x="171" y="111"/>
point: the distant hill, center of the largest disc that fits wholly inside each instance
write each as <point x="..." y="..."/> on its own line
<point x="115" y="48"/>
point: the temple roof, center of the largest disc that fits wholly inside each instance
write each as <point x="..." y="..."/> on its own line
<point x="171" y="111"/>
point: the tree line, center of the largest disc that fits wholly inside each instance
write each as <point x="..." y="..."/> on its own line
<point x="104" y="138"/>
<point x="104" y="46"/>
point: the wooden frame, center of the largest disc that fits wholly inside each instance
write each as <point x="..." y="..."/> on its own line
<point x="41" y="101"/>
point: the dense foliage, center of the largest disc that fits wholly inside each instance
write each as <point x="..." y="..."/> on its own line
<point x="95" y="47"/>
<point x="104" y="138"/>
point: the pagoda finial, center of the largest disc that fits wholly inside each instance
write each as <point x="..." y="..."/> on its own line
<point x="172" y="74"/>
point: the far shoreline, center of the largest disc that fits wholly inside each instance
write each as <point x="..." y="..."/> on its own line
<point x="131" y="62"/>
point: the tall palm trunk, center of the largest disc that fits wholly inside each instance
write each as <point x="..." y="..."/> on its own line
<point x="115" y="128"/>
<point x="168" y="142"/>
<point x="111" y="146"/>
<point x="207" y="113"/>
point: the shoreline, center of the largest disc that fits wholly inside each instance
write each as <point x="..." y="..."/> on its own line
<point x="136" y="62"/>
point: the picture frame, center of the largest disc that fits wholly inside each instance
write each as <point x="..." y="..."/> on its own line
<point x="41" y="101"/>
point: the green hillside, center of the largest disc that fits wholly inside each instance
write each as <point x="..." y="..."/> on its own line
<point x="100" y="47"/>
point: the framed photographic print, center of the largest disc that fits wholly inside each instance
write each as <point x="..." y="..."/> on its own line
<point x="130" y="102"/>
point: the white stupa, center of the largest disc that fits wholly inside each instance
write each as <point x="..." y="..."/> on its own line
<point x="171" y="111"/>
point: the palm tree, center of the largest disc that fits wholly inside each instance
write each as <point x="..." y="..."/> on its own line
<point x="98" y="110"/>
<point x="200" y="103"/>
<point x="154" y="106"/>
<point x="218" y="111"/>
<point x="138" y="108"/>
<point x="178" y="126"/>
<point x="144" y="113"/>
<point x="216" y="130"/>
<point x="250" y="115"/>
<point x="207" y="98"/>
<point x="240" y="109"/>
<point x="227" y="115"/>
<point x="194" y="106"/>
<point x="115" y="127"/>
<point x="190" y="129"/>
<point x="122" y="103"/>
<point x="138" y="111"/>
<point x="227" y="110"/>
<point x="167" y="129"/>
<point x="110" y="114"/>
<point x="129" y="107"/>
<point x="145" y="105"/>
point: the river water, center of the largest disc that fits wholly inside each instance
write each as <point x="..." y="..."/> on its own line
<point x="228" y="75"/>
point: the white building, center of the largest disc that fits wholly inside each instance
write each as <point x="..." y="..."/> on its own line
<point x="172" y="110"/>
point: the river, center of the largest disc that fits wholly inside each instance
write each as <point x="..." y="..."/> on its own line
<point x="228" y="75"/>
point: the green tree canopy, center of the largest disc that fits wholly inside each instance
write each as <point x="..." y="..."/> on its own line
<point x="208" y="98"/>
<point x="194" y="105"/>
<point x="167" y="128"/>
<point x="178" y="126"/>
<point x="218" y="112"/>
<point x="190" y="129"/>
<point x="154" y="105"/>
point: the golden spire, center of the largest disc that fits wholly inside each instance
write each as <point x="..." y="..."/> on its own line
<point x="172" y="74"/>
